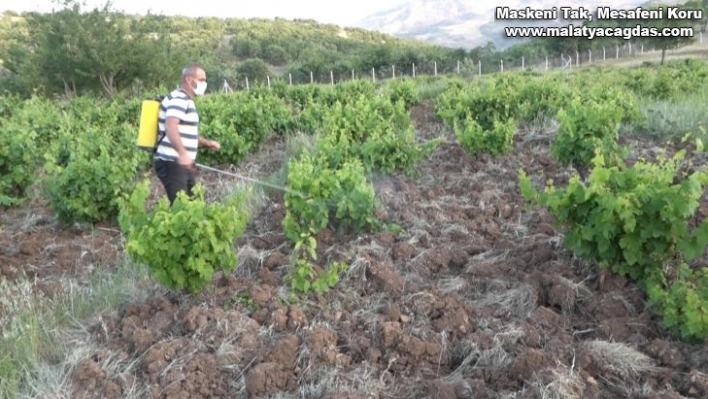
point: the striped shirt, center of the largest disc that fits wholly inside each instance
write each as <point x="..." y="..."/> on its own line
<point x="178" y="104"/>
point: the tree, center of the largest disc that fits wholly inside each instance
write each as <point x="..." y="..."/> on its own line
<point x="56" y="50"/>
<point x="253" y="69"/>
<point x="275" y="54"/>
<point x="106" y="39"/>
<point x="98" y="51"/>
<point x="11" y="28"/>
<point x="666" y="42"/>
<point x="378" y="56"/>
<point x="699" y="5"/>
<point x="318" y="60"/>
<point x="483" y="52"/>
<point x="246" y="47"/>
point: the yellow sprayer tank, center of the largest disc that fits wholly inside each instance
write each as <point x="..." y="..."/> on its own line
<point x="147" y="135"/>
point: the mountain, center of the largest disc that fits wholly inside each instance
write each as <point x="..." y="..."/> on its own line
<point x="470" y="23"/>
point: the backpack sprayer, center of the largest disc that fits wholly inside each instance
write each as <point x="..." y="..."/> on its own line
<point x="147" y="140"/>
<point x="149" y="124"/>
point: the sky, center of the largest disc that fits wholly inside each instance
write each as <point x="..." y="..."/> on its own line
<point x="340" y="12"/>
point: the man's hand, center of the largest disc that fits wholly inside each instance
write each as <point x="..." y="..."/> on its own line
<point x="213" y="145"/>
<point x="186" y="162"/>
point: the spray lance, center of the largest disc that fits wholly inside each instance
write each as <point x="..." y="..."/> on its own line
<point x="274" y="186"/>
<point x="281" y="188"/>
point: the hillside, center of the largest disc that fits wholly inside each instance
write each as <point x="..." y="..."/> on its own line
<point x="74" y="51"/>
<point x="39" y="50"/>
<point x="468" y="24"/>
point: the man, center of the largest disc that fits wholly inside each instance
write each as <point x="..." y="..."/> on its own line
<point x="176" y="151"/>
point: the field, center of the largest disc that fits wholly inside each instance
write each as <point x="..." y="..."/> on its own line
<point x="462" y="290"/>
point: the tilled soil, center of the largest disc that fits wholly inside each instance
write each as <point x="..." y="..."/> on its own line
<point x="475" y="299"/>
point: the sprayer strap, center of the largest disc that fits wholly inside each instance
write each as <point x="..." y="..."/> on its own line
<point x="162" y="137"/>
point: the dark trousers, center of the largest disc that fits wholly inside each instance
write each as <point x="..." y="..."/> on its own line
<point x="174" y="178"/>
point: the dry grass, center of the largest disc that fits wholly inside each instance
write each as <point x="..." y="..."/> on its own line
<point x="321" y="380"/>
<point x="617" y="360"/>
<point x="507" y="298"/>
<point x="486" y="259"/>
<point x="44" y="339"/>
<point x="576" y="293"/>
<point x="494" y="358"/>
<point x="470" y="356"/>
<point x="449" y="285"/>
<point x="564" y="384"/>
<point x="517" y="301"/>
<point x="55" y="380"/>
<point x="363" y="379"/>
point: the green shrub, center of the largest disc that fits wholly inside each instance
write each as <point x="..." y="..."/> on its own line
<point x="183" y="245"/>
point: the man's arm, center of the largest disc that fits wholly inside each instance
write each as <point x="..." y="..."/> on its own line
<point x="172" y="129"/>
<point x="211" y="144"/>
<point x="204" y="142"/>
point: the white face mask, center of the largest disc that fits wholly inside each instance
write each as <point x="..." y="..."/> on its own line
<point x="201" y="88"/>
